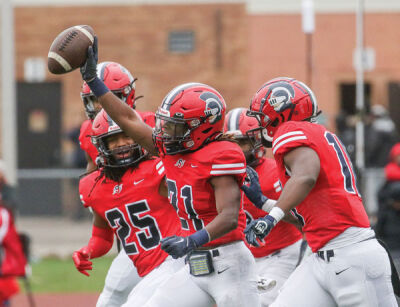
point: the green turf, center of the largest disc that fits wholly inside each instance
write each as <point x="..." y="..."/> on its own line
<point x="60" y="276"/>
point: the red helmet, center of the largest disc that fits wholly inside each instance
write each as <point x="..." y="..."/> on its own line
<point x="103" y="127"/>
<point x="190" y="116"/>
<point x="117" y="78"/>
<point x="280" y="100"/>
<point x="244" y="127"/>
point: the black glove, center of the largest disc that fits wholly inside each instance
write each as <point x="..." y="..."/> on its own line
<point x="253" y="192"/>
<point x="178" y="246"/>
<point x="89" y="69"/>
<point x="259" y="228"/>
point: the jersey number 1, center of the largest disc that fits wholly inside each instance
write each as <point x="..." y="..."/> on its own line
<point x="187" y="197"/>
<point x="345" y="164"/>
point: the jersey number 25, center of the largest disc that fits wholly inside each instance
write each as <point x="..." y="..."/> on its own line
<point x="149" y="235"/>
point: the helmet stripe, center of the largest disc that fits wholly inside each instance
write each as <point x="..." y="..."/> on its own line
<point x="110" y="120"/>
<point x="126" y="71"/>
<point x="166" y="104"/>
<point x="312" y="97"/>
<point x="234" y="119"/>
<point x="101" y="67"/>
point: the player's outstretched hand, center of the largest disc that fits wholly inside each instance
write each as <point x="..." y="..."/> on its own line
<point x="253" y="191"/>
<point x="259" y="229"/>
<point x="81" y="260"/>
<point x="89" y="69"/>
<point x="178" y="246"/>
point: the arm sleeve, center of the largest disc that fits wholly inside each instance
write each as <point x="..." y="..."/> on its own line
<point x="101" y="241"/>
<point x="86" y="185"/>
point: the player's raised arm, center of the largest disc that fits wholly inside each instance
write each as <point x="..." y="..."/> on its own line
<point x="121" y="113"/>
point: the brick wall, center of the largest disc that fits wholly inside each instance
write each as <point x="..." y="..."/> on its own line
<point x="277" y="48"/>
<point x="136" y="37"/>
<point x="254" y="49"/>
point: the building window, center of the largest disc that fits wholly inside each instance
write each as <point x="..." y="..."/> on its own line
<point x="181" y="41"/>
<point x="347" y="96"/>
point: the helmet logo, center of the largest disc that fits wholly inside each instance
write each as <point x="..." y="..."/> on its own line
<point x="213" y="108"/>
<point x="190" y="143"/>
<point x="113" y="128"/>
<point x="281" y="96"/>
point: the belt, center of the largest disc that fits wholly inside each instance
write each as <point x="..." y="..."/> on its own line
<point x="328" y="254"/>
<point x="214" y="253"/>
<point x="214" y="249"/>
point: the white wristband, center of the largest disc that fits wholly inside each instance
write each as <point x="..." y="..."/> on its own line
<point x="268" y="205"/>
<point x="277" y="213"/>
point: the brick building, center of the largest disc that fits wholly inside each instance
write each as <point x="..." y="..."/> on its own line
<point x="234" y="46"/>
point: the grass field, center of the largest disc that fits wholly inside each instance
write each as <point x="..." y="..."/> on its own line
<point x="54" y="275"/>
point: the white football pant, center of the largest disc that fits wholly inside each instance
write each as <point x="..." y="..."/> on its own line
<point x="277" y="267"/>
<point x="357" y="275"/>
<point x="232" y="284"/>
<point x="120" y="280"/>
<point x="152" y="281"/>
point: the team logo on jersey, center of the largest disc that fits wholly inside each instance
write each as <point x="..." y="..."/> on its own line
<point x="213" y="107"/>
<point x="281" y="96"/>
<point x="117" y="189"/>
<point x="180" y="163"/>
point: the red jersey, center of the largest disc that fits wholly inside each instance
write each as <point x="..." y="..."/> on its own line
<point x="334" y="203"/>
<point x="190" y="191"/>
<point x="85" y="140"/>
<point x="133" y="208"/>
<point x="12" y="260"/>
<point x="283" y="234"/>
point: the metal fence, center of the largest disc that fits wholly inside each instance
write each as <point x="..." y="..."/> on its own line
<point x="54" y="192"/>
<point x="50" y="192"/>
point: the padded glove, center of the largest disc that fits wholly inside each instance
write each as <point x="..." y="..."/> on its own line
<point x="81" y="260"/>
<point x="259" y="229"/>
<point x="89" y="69"/>
<point x="253" y="191"/>
<point x="178" y="246"/>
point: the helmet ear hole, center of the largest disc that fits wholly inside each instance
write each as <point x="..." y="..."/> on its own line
<point x="275" y="122"/>
<point x="207" y="130"/>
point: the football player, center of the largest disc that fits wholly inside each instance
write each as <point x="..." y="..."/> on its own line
<point x="349" y="267"/>
<point x="277" y="258"/>
<point x="128" y="197"/>
<point x="122" y="84"/>
<point x="122" y="276"/>
<point x="204" y="174"/>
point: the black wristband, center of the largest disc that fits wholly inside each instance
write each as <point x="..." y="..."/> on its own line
<point x="200" y="237"/>
<point x="98" y="87"/>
